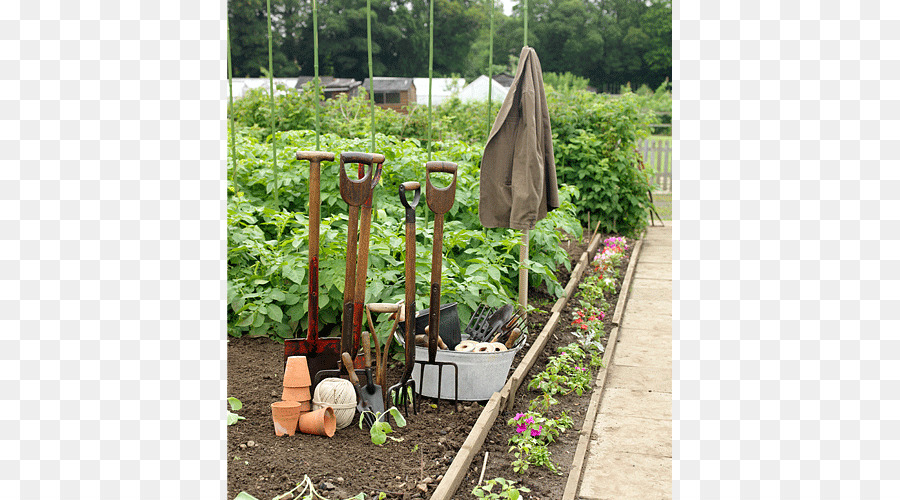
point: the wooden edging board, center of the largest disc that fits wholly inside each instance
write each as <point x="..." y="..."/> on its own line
<point x="472" y="445"/>
<point x="457" y="471"/>
<point x="600" y="382"/>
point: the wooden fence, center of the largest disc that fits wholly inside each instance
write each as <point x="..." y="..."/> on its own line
<point x="657" y="155"/>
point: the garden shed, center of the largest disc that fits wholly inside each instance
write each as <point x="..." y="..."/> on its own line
<point x="393" y="92"/>
<point x="332" y="86"/>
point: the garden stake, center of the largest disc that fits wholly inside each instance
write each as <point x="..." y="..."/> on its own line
<point x="400" y="393"/>
<point x="440" y="201"/>
<point x="320" y="353"/>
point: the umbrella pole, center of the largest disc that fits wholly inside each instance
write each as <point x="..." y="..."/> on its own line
<point x="523" y="271"/>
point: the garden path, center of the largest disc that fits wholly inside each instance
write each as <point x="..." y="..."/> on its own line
<point x="630" y="451"/>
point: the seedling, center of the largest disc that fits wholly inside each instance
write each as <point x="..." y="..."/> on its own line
<point x="381" y="428"/>
<point x="235" y="405"/>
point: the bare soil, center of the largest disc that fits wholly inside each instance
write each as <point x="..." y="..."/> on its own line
<point x="266" y="466"/>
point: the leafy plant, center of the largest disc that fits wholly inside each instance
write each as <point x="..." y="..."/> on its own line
<point x="235" y="405"/>
<point x="506" y="489"/>
<point x="381" y="428"/>
<point x="268" y="241"/>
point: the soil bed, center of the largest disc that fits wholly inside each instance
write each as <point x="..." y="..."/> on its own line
<point x="265" y="465"/>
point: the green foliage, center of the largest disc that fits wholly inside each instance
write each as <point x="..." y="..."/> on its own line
<point x="381" y="428"/>
<point x="595" y="144"/>
<point x="506" y="490"/>
<point x="235" y="405"/>
<point x="609" y="43"/>
<point x="268" y="242"/>
<point x="564" y="82"/>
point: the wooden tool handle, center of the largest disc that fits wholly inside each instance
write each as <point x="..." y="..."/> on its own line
<point x="513" y="337"/>
<point x="367" y="347"/>
<point x="383" y="307"/>
<point x="348" y="363"/>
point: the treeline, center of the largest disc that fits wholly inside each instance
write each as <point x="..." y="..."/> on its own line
<point x="609" y="42"/>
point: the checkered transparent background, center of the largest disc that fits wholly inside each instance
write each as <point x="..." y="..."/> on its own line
<point x="785" y="381"/>
<point x="112" y="254"/>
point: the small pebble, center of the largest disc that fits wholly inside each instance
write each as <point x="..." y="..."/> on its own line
<point x="340" y="480"/>
<point x="274" y="394"/>
<point x="328" y="486"/>
<point x="267" y="377"/>
<point x="251" y="443"/>
<point x="444" y="432"/>
<point x="243" y="445"/>
<point x="428" y="480"/>
<point x="422" y="487"/>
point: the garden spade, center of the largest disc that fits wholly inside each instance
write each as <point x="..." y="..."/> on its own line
<point x="357" y="194"/>
<point x="440" y="201"/>
<point x="402" y="392"/>
<point x="320" y="353"/>
<point x="372" y="392"/>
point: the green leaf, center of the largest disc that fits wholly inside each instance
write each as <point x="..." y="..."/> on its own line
<point x="247" y="320"/>
<point x="277" y="294"/>
<point x="245" y="496"/>
<point x="275" y="313"/>
<point x="233" y="418"/>
<point x="398" y="418"/>
<point x="235" y="404"/>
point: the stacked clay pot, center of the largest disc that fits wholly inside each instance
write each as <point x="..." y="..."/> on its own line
<point x="297" y="383"/>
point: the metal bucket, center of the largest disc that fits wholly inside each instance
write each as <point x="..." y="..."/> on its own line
<point x="481" y="374"/>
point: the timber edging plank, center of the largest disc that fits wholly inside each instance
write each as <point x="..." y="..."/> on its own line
<point x="626" y="283"/>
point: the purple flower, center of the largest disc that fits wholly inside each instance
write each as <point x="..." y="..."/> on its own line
<point x="521" y="428"/>
<point x="529" y="420"/>
<point x="536" y="432"/>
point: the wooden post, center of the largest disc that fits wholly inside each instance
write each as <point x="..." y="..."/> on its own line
<point x="523" y="271"/>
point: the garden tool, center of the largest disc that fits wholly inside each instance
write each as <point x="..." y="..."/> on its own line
<point x="357" y="194"/>
<point x="363" y="398"/>
<point x="381" y="362"/>
<point x="320" y="353"/>
<point x="440" y="201"/>
<point x="478" y="321"/>
<point x="373" y="392"/>
<point x="516" y="321"/>
<point x="495" y="322"/>
<point x="402" y="392"/>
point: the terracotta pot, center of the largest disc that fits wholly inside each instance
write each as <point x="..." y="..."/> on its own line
<point x="305" y="406"/>
<point x="296" y="372"/>
<point x="296" y="394"/>
<point x="320" y="422"/>
<point x="284" y="416"/>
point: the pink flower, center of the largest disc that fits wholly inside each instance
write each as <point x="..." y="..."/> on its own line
<point x="536" y="432"/>
<point x="592" y="318"/>
<point x="519" y="415"/>
<point x="521" y="428"/>
<point x="529" y="420"/>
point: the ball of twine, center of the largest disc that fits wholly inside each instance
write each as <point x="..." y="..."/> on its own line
<point x="340" y="395"/>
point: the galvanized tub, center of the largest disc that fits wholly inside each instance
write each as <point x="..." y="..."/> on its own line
<point x="481" y="374"/>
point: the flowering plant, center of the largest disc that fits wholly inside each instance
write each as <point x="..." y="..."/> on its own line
<point x="534" y="432"/>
